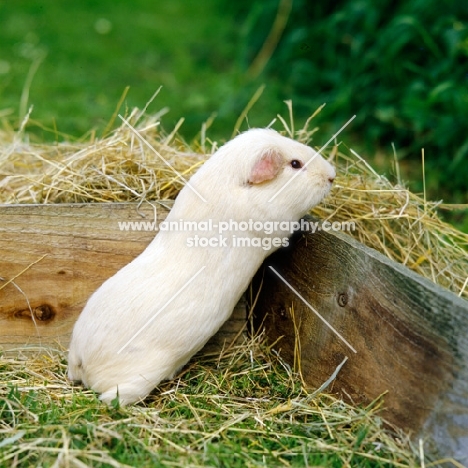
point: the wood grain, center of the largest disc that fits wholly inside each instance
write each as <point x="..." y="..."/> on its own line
<point x="410" y="335"/>
<point x="52" y="257"/>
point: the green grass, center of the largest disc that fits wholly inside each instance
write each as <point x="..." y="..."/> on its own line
<point x="85" y="54"/>
<point x="243" y="409"/>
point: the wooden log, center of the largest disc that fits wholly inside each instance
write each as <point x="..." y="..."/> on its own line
<point x="411" y="336"/>
<point x="52" y="257"/>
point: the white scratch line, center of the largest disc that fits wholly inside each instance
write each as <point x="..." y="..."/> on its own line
<point x="160" y="310"/>
<point x="331" y="378"/>
<point x="315" y="155"/>
<point x="137" y="133"/>
<point x="336" y="332"/>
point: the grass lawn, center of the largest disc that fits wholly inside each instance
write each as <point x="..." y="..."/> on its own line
<point x="244" y="408"/>
<point x="75" y="60"/>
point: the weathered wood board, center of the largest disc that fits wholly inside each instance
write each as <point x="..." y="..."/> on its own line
<point x="53" y="257"/>
<point x="410" y="335"/>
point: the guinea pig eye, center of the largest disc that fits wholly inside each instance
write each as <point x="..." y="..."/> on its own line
<point x="295" y="164"/>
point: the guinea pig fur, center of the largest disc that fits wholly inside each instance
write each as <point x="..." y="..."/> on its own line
<point x="144" y="323"/>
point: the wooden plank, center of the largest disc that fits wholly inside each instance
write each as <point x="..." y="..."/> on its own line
<point x="52" y="257"/>
<point x="411" y="336"/>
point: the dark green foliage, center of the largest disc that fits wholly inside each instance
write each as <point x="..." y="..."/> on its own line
<point x="401" y="66"/>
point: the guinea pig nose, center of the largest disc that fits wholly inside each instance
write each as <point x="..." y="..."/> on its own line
<point x="331" y="179"/>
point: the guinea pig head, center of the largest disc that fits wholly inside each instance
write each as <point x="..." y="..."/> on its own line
<point x="286" y="177"/>
<point x="261" y="175"/>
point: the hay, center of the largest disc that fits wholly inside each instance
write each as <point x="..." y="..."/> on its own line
<point x="398" y="223"/>
<point x="124" y="167"/>
<point x="243" y="408"/>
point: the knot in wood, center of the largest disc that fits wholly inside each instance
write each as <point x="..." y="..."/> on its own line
<point x="44" y="313"/>
<point x="282" y="313"/>
<point x="342" y="299"/>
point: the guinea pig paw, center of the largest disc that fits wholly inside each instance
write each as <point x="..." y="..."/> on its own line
<point x="74" y="375"/>
<point x="124" y="394"/>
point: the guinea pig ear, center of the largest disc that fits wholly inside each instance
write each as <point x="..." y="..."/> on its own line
<point x="267" y="167"/>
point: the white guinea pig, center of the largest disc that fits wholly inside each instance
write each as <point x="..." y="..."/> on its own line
<point x="144" y="323"/>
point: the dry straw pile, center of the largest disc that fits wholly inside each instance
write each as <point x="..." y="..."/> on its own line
<point x="136" y="162"/>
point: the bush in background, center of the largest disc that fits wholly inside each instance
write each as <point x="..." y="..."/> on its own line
<point x="401" y="66"/>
